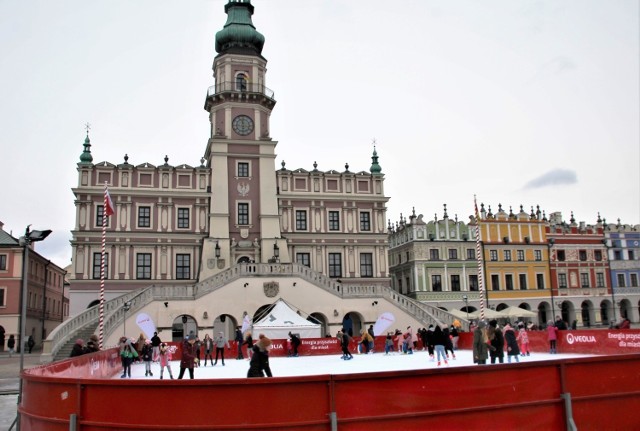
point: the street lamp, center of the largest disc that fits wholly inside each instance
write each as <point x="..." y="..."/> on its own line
<point x="551" y="242"/>
<point x="126" y="307"/>
<point x="276" y="252"/>
<point x="26" y="241"/>
<point x="465" y="298"/>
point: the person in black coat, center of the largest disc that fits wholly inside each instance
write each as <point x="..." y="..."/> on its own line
<point x="78" y="348"/>
<point x="496" y="340"/>
<point x="512" y="343"/>
<point x="295" y="343"/>
<point x="259" y="364"/>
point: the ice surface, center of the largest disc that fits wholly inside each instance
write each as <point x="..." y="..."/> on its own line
<point x="328" y="364"/>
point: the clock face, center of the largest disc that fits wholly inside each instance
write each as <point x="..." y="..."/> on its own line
<point x="243" y="125"/>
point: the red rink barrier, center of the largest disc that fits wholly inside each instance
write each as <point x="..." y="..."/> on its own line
<point x="603" y="391"/>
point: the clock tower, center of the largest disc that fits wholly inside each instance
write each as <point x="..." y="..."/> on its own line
<point x="243" y="217"/>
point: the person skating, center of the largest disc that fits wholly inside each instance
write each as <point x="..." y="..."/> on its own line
<point x="512" y="343"/>
<point x="187" y="361"/>
<point x="295" y="343"/>
<point x="259" y="363"/>
<point x="220" y="342"/>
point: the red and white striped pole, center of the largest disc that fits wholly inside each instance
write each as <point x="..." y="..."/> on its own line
<point x="479" y="259"/>
<point x="107" y="210"/>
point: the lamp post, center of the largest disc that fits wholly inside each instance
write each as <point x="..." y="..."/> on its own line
<point x="126" y="307"/>
<point x="465" y="298"/>
<point x="26" y="241"/>
<point x="276" y="252"/>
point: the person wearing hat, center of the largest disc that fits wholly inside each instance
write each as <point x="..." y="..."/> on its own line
<point x="496" y="342"/>
<point x="512" y="343"/>
<point x="187" y="362"/>
<point x="259" y="364"/>
<point x="220" y="342"/>
<point x="480" y="343"/>
<point x="92" y="344"/>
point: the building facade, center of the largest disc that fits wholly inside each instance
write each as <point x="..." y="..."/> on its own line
<point x="548" y="266"/>
<point x="47" y="306"/>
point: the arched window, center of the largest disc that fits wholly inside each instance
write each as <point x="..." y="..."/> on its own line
<point x="241" y="81"/>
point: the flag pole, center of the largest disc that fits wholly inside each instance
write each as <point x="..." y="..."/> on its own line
<point x="479" y="258"/>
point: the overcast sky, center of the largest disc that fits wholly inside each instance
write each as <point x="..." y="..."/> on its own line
<point x="519" y="102"/>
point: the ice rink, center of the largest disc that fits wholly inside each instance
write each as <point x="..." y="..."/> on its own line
<point x="327" y="364"/>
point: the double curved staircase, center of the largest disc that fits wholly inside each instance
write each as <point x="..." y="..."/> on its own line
<point x="58" y="344"/>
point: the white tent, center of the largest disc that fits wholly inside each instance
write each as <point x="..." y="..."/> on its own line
<point x="282" y="319"/>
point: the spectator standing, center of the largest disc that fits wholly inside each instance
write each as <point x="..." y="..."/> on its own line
<point x="93" y="344"/>
<point x="552" y="336"/>
<point x="560" y="324"/>
<point x="11" y="344"/>
<point x="220" y="342"/>
<point x="78" y="348"/>
<point x="30" y="343"/>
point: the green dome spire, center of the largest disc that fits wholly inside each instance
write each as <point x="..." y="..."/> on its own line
<point x="86" y="156"/>
<point x="239" y="34"/>
<point x="375" y="167"/>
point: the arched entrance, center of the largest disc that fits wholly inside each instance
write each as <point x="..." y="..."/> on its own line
<point x="93" y="303"/>
<point x="182" y="326"/>
<point x="567" y="312"/>
<point x="525" y="306"/>
<point x="322" y="320"/>
<point x="226" y="324"/>
<point x="352" y="323"/>
<point x="501" y="306"/>
<point x="544" y="313"/>
<point x="605" y="307"/>
<point x="625" y="309"/>
<point x="587" y="313"/>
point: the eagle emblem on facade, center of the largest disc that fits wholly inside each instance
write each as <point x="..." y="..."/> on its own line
<point x="243" y="189"/>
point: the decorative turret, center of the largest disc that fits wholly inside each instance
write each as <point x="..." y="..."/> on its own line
<point x="239" y="34"/>
<point x="375" y="167"/>
<point x="86" y="156"/>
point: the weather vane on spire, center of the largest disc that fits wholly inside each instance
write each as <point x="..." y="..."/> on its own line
<point x="87" y="126"/>
<point x="373" y="143"/>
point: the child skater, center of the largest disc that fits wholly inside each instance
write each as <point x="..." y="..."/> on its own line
<point x="147" y="355"/>
<point x="165" y="358"/>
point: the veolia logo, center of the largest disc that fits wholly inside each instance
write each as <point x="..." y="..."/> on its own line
<point x="580" y="339"/>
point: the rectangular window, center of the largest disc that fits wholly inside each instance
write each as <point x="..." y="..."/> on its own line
<point x="144" y="217"/>
<point x="493" y="255"/>
<point x="243" y="213"/>
<point x="584" y="279"/>
<point x="495" y="282"/>
<point x="508" y="281"/>
<point x="301" y="220"/>
<point x="335" y="265"/>
<point x="366" y="265"/>
<point x="522" y="279"/>
<point x="507" y="255"/>
<point x="436" y="283"/>
<point x="3" y="301"/>
<point x="562" y="281"/>
<point x="583" y="255"/>
<point x="617" y="255"/>
<point x="365" y="221"/>
<point x="537" y="254"/>
<point x="434" y="254"/>
<point x="540" y="281"/>
<point x="3" y="262"/>
<point x="143" y="266"/>
<point x="99" y="215"/>
<point x="561" y="255"/>
<point x="453" y="254"/>
<point x="183" y="266"/>
<point x="600" y="279"/>
<point x="455" y="283"/>
<point x="621" y="281"/>
<point x="520" y="255"/>
<point x="632" y="256"/>
<point x="334" y="220"/>
<point x="243" y="169"/>
<point x="597" y="254"/>
<point x="183" y="218"/>
<point x="634" y="280"/>
<point x="471" y="254"/>
<point x="473" y="283"/>
<point x="97" y="264"/>
<point x="304" y="259"/>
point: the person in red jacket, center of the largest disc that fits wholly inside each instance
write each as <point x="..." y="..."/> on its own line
<point x="188" y="356"/>
<point x="552" y="336"/>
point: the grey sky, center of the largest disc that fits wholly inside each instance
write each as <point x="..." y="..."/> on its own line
<point x="463" y="98"/>
<point x="554" y="177"/>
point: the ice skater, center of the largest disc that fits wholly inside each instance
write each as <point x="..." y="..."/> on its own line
<point x="164" y="356"/>
<point x="220" y="342"/>
<point x="259" y="363"/>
